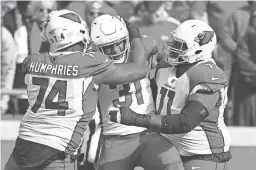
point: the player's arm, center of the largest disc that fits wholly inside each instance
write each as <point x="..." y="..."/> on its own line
<point x="45" y="44"/>
<point x="191" y="115"/>
<point x="197" y="107"/>
<point x="127" y="72"/>
<point x="151" y="47"/>
<point x="25" y="64"/>
<point x="44" y="47"/>
<point x="139" y="53"/>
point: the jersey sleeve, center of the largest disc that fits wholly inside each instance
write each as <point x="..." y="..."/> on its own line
<point x="25" y="64"/>
<point x="95" y="63"/>
<point x="203" y="95"/>
<point x="208" y="75"/>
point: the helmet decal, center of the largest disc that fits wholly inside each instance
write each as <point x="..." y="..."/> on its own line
<point x="64" y="28"/>
<point x="204" y="38"/>
<point x="191" y="41"/>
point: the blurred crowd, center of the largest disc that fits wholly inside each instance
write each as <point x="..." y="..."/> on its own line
<point x="234" y="24"/>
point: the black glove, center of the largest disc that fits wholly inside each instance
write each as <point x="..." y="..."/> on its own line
<point x="126" y="116"/>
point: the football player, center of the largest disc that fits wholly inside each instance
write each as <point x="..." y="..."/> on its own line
<point x="62" y="88"/>
<point x="125" y="147"/>
<point x="192" y="94"/>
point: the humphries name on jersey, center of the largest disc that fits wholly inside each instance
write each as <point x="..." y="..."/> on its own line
<point x="66" y="70"/>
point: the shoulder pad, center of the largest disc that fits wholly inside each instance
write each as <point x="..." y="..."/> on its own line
<point x="207" y="73"/>
<point x="66" y="64"/>
<point x="35" y="57"/>
<point x="89" y="64"/>
<point x="95" y="62"/>
<point x="150" y="44"/>
<point x="90" y="58"/>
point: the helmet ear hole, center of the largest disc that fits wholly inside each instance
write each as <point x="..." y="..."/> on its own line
<point x="198" y="52"/>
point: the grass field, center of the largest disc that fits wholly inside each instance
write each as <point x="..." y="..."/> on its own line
<point x="243" y="144"/>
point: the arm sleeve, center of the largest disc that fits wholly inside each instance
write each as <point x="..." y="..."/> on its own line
<point x="191" y="116"/>
<point x="197" y="107"/>
<point x="127" y="72"/>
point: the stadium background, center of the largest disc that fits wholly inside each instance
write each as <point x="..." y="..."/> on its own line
<point x="243" y="138"/>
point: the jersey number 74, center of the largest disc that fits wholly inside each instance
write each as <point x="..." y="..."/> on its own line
<point x="60" y="87"/>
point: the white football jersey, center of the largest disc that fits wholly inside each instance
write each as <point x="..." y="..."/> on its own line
<point x="137" y="96"/>
<point x="62" y="98"/>
<point x="211" y="136"/>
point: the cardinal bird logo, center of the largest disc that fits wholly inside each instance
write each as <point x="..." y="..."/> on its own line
<point x="204" y="38"/>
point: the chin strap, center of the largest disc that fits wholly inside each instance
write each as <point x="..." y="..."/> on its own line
<point x="87" y="47"/>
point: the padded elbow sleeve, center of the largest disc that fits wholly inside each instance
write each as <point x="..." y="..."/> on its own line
<point x="188" y="119"/>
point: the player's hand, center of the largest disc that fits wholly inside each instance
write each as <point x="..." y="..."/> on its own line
<point x="133" y="31"/>
<point x="43" y="33"/>
<point x="44" y="24"/>
<point x="122" y="115"/>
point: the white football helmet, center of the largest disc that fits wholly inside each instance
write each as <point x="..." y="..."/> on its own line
<point x="111" y="36"/>
<point x="192" y="41"/>
<point x="65" y="28"/>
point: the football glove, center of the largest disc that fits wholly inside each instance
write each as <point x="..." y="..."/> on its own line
<point x="114" y="114"/>
<point x="126" y="116"/>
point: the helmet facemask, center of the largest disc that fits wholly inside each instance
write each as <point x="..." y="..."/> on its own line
<point x="174" y="51"/>
<point x="192" y="41"/>
<point x="111" y="36"/>
<point x="118" y="50"/>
